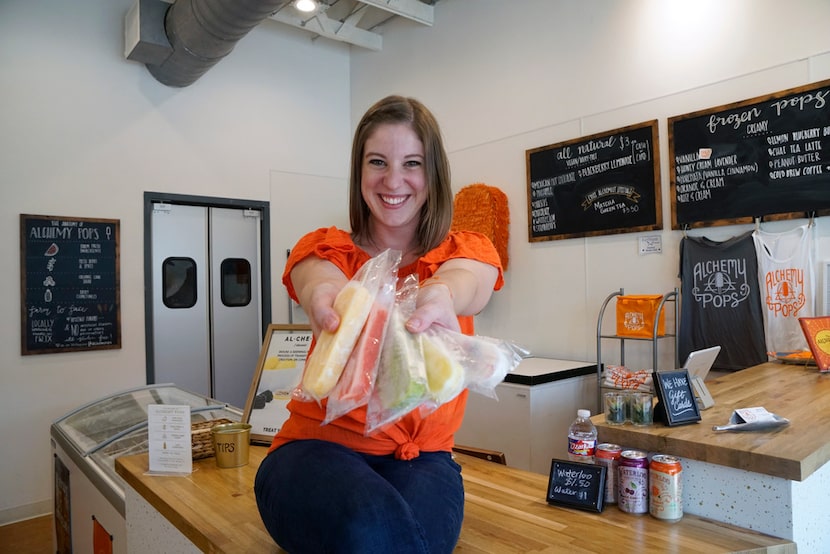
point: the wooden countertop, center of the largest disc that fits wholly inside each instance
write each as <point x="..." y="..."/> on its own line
<point x="505" y="511"/>
<point x="798" y="393"/>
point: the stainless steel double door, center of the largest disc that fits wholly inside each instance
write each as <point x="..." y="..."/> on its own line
<point x="207" y="299"/>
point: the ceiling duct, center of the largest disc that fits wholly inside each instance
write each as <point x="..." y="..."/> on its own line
<point x="202" y="32"/>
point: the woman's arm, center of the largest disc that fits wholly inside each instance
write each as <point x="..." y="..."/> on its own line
<point x="461" y="286"/>
<point x="317" y="283"/>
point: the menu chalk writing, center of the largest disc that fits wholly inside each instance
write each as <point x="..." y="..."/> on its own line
<point x="766" y="156"/>
<point x="600" y="184"/>
<point x="70" y="293"/>
<point x="676" y="400"/>
<point x="576" y="485"/>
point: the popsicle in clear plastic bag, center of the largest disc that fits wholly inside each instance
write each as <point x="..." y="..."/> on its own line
<point x="353" y="304"/>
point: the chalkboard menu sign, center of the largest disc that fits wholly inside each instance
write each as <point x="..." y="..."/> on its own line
<point x="767" y="156"/>
<point x="601" y="184"/>
<point x="677" y="404"/>
<point x="70" y="291"/>
<point x="577" y="485"/>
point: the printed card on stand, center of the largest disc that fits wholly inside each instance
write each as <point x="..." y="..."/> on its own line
<point x="168" y="432"/>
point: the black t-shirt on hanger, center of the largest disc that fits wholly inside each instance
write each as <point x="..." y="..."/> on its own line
<point x="721" y="303"/>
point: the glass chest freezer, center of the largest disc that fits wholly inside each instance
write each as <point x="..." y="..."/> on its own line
<point x="89" y="494"/>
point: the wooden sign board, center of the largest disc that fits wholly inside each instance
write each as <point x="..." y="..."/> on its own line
<point x="577" y="485"/>
<point x="69" y="284"/>
<point x="677" y="404"/>
<point x="278" y="372"/>
<point x="766" y="157"/>
<point x="601" y="184"/>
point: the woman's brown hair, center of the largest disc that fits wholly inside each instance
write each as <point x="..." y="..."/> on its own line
<point x="436" y="215"/>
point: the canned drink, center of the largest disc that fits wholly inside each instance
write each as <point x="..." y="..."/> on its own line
<point x="632" y="482"/>
<point x="666" y="484"/>
<point x="609" y="456"/>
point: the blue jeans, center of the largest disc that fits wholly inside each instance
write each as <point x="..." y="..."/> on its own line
<point x="317" y="496"/>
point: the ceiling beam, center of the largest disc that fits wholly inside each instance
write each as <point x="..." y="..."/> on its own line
<point x="321" y="24"/>
<point x="410" y="9"/>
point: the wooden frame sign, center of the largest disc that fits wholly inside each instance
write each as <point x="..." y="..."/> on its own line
<point x="279" y="370"/>
<point x="69" y="284"/>
<point x="577" y="485"/>
<point x="677" y="404"/>
<point x="600" y="184"/>
<point x="764" y="157"/>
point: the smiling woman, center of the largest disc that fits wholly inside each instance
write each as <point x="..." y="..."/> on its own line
<point x="395" y="489"/>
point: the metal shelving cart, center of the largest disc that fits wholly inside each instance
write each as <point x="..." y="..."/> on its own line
<point x="670" y="297"/>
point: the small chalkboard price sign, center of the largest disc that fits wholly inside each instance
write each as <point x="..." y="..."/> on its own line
<point x="676" y="400"/>
<point x="764" y="157"/>
<point x="69" y="284"/>
<point x="577" y="485"/>
<point x="600" y="184"/>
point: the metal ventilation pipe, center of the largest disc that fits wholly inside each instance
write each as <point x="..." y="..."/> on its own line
<point x="202" y="32"/>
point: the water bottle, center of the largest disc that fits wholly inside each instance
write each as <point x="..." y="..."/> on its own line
<point x="582" y="438"/>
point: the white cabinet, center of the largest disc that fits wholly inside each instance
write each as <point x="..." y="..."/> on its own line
<point x="529" y="421"/>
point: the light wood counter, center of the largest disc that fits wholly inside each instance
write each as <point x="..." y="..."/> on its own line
<point x="774" y="481"/>
<point x="505" y="511"/>
<point x="798" y="393"/>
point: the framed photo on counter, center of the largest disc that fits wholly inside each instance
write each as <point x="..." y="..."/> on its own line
<point x="279" y="370"/>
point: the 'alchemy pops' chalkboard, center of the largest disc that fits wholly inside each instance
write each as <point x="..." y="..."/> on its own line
<point x="69" y="284"/>
<point x="601" y="184"/>
<point x="577" y="485"/>
<point x="766" y="156"/>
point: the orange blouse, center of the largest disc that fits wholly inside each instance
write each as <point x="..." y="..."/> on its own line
<point x="412" y="433"/>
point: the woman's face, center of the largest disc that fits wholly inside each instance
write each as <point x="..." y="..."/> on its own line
<point x="393" y="180"/>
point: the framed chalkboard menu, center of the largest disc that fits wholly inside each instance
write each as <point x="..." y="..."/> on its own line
<point x="766" y="156"/>
<point x="69" y="284"/>
<point x="600" y="184"/>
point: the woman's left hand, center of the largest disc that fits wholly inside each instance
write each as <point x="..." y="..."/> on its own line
<point x="460" y="287"/>
<point x="434" y="305"/>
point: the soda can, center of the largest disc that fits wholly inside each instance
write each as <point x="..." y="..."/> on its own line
<point x="666" y="484"/>
<point x="632" y="482"/>
<point x="608" y="455"/>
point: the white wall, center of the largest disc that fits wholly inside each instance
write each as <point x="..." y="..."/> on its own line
<point x="504" y="77"/>
<point x="85" y="132"/>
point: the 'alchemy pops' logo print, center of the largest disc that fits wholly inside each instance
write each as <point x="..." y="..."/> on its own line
<point x="720" y="283"/>
<point x="784" y="292"/>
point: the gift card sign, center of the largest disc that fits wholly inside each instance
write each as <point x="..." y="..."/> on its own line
<point x="676" y="399"/>
<point x="576" y="485"/>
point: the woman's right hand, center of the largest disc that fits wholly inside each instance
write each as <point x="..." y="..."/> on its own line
<point x="317" y="283"/>
<point x="320" y="308"/>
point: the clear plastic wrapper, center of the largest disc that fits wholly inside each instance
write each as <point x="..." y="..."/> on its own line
<point x="353" y="304"/>
<point x="401" y="383"/>
<point x="357" y="381"/>
<point x="459" y="361"/>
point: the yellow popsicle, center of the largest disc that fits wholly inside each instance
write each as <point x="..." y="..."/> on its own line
<point x="327" y="360"/>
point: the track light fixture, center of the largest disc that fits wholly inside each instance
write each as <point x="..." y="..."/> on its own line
<point x="305" y="5"/>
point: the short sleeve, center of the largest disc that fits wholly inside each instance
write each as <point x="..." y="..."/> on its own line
<point x="327" y="243"/>
<point x="462" y="244"/>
